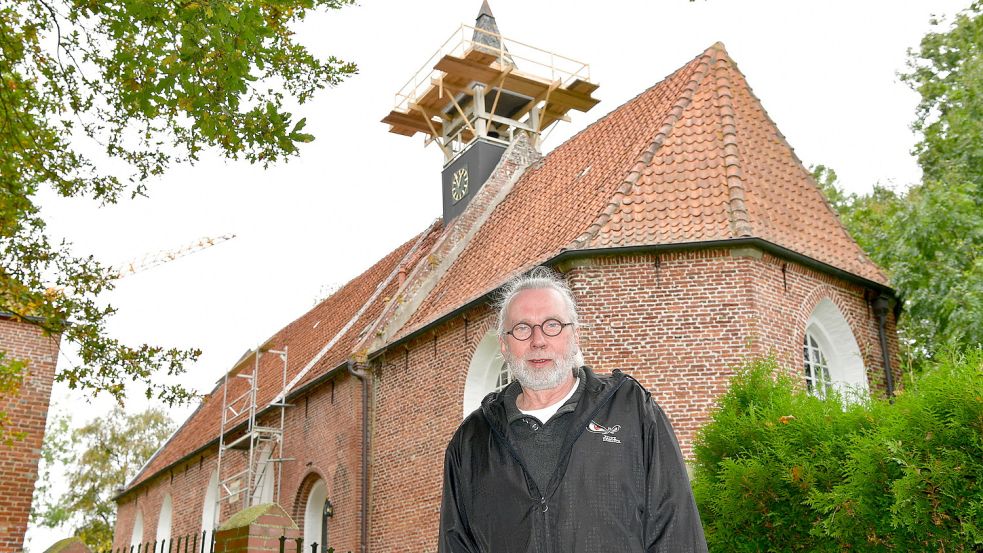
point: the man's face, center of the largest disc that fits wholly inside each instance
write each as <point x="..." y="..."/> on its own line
<point x="541" y="362"/>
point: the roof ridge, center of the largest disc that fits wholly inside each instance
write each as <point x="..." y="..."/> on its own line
<point x="740" y="220"/>
<point x="699" y="73"/>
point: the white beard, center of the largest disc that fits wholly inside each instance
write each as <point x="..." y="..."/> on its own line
<point x="543" y="379"/>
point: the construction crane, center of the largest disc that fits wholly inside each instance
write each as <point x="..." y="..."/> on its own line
<point x="154" y="259"/>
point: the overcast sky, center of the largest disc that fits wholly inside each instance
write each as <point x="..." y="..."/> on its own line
<point x="826" y="72"/>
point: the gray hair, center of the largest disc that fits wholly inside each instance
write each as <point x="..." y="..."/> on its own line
<point x="538" y="278"/>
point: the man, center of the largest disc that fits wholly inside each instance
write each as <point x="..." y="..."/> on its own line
<point x="561" y="460"/>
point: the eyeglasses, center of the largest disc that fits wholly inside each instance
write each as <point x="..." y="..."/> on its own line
<point x="550" y="327"/>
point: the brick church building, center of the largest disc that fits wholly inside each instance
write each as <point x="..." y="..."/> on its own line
<point x="690" y="233"/>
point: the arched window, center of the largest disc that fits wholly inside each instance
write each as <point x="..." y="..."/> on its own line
<point x="164" y="520"/>
<point x="504" y="377"/>
<point x="265" y="477"/>
<point x="831" y="356"/>
<point x="137" y="537"/>
<point x="209" y="508"/>
<point x="487" y="373"/>
<point x="316" y="513"/>
<point x="818" y="381"/>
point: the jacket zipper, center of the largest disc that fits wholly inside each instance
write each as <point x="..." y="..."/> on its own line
<point x="544" y="508"/>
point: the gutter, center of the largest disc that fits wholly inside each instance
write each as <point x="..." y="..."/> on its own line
<point x="760" y="243"/>
<point x="364" y="377"/>
<point x="881" y="304"/>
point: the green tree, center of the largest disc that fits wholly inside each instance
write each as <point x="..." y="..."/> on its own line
<point x="86" y="86"/>
<point x="947" y="72"/>
<point x="98" y="458"/>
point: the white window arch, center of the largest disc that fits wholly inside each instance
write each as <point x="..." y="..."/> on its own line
<point x="208" y="507"/>
<point x="485" y="373"/>
<point x="263" y="492"/>
<point x="164" y="520"/>
<point x="315" y="525"/>
<point x="137" y="537"/>
<point x="831" y="355"/>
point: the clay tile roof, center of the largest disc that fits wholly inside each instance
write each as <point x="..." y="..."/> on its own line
<point x="317" y="342"/>
<point x="694" y="158"/>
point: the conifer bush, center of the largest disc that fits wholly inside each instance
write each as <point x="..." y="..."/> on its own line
<point x="778" y="469"/>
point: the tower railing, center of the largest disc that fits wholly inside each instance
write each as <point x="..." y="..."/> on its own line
<point x="524" y="59"/>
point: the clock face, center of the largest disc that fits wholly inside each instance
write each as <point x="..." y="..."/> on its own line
<point x="459" y="184"/>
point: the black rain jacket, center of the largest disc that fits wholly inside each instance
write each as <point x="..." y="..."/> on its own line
<point x="619" y="486"/>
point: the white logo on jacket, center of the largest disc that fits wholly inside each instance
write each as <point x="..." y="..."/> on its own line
<point x="606" y="431"/>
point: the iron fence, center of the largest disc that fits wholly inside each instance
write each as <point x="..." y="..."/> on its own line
<point x="192" y="544"/>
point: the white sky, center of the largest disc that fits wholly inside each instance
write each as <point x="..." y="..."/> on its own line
<point x="825" y="71"/>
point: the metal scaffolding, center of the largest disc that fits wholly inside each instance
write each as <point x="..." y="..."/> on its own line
<point x="260" y="446"/>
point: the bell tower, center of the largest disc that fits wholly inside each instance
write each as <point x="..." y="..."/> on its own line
<point x="477" y="93"/>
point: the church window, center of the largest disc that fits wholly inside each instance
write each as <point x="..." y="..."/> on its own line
<point x="486" y="373"/>
<point x="817" y="368"/>
<point x="209" y="506"/>
<point x="316" y="513"/>
<point x="137" y="537"/>
<point x="831" y="356"/>
<point x="265" y="476"/>
<point x="504" y="377"/>
<point x="164" y="520"/>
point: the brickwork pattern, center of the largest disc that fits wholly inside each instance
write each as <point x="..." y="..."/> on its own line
<point x="27" y="412"/>
<point x="259" y="534"/>
<point x="418" y="397"/>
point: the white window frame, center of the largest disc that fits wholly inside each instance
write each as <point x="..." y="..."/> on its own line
<point x="816" y="365"/>
<point x="483" y="373"/>
<point x="313" y="510"/>
<point x="164" y="519"/>
<point x="208" y="506"/>
<point x="838" y="345"/>
<point x="136" y="538"/>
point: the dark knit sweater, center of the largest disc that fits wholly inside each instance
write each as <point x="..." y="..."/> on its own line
<point x="538" y="442"/>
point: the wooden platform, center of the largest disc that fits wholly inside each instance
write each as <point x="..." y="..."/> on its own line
<point x="455" y="75"/>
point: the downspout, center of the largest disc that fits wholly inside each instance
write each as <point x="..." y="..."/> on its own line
<point x="881" y="305"/>
<point x="364" y="377"/>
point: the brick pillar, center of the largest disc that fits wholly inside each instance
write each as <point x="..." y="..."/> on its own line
<point x="69" y="545"/>
<point x="257" y="529"/>
<point x="26" y="412"/>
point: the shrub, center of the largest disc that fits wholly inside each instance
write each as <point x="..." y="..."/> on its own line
<point x="780" y="470"/>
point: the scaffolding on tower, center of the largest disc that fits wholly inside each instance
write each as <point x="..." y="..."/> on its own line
<point x="256" y="477"/>
<point x="482" y="85"/>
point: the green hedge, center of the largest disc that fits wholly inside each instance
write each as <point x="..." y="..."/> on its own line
<point x="780" y="470"/>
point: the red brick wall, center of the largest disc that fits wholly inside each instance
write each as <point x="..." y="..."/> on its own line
<point x="785" y="295"/>
<point x="27" y="412"/>
<point x="418" y="402"/>
<point x="679" y="323"/>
